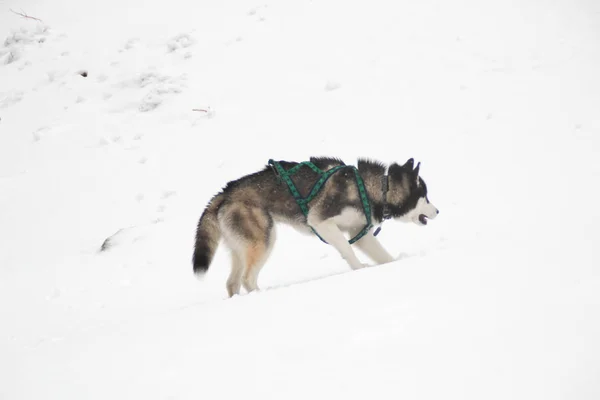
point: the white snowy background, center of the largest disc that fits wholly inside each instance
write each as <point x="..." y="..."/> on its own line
<point x="498" y="298"/>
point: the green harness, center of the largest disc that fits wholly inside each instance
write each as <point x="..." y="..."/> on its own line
<point x="324" y="176"/>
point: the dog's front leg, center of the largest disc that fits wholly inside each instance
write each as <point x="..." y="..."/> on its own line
<point x="373" y="249"/>
<point x="332" y="234"/>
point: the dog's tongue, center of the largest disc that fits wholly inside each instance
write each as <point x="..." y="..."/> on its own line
<point x="423" y="219"/>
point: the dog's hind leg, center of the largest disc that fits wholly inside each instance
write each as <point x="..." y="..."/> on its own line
<point x="247" y="230"/>
<point x="234" y="282"/>
<point x="256" y="256"/>
<point x="255" y="259"/>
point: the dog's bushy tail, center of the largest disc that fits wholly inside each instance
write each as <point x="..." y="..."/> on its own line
<point x="208" y="235"/>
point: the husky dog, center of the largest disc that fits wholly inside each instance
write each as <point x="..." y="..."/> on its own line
<point x="244" y="213"/>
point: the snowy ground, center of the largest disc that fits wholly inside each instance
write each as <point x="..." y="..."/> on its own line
<point x="498" y="298"/>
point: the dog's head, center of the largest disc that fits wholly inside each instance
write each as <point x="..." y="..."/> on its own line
<point x="407" y="196"/>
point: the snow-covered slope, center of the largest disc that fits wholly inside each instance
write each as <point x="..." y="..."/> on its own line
<point x="497" y="298"/>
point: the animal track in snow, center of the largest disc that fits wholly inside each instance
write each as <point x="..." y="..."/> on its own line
<point x="181" y="41"/>
<point x="16" y="43"/>
<point x="168" y="193"/>
<point x="331" y="86"/>
<point x="44" y="131"/>
<point x="39" y="133"/>
<point x="164" y="200"/>
<point x="159" y="88"/>
<point x="254" y="12"/>
<point x="130" y="44"/>
<point x="237" y="39"/>
<point x="10" y="99"/>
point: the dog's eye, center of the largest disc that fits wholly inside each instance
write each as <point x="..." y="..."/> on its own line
<point x="427" y="198"/>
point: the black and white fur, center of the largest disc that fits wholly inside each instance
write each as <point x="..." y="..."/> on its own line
<point x="245" y="212"/>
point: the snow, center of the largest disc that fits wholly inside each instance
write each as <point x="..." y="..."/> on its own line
<point x="498" y="298"/>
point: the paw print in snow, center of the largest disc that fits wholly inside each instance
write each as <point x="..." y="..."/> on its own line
<point x="130" y="44"/>
<point x="10" y="99"/>
<point x="254" y="12"/>
<point x="17" y="41"/>
<point x="181" y="41"/>
<point x="160" y="87"/>
<point x="156" y="96"/>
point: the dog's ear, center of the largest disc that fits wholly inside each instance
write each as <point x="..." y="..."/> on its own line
<point x="409" y="164"/>
<point x="416" y="171"/>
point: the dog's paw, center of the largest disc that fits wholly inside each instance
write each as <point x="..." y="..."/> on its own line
<point x="358" y="265"/>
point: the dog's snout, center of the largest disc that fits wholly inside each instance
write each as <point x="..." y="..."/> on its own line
<point x="437" y="211"/>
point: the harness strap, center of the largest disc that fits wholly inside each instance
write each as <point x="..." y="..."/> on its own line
<point x="324" y="176"/>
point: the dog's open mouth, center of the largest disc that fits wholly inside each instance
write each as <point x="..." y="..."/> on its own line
<point x="423" y="219"/>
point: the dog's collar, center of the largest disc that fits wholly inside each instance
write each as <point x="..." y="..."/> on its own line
<point x="385" y="214"/>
